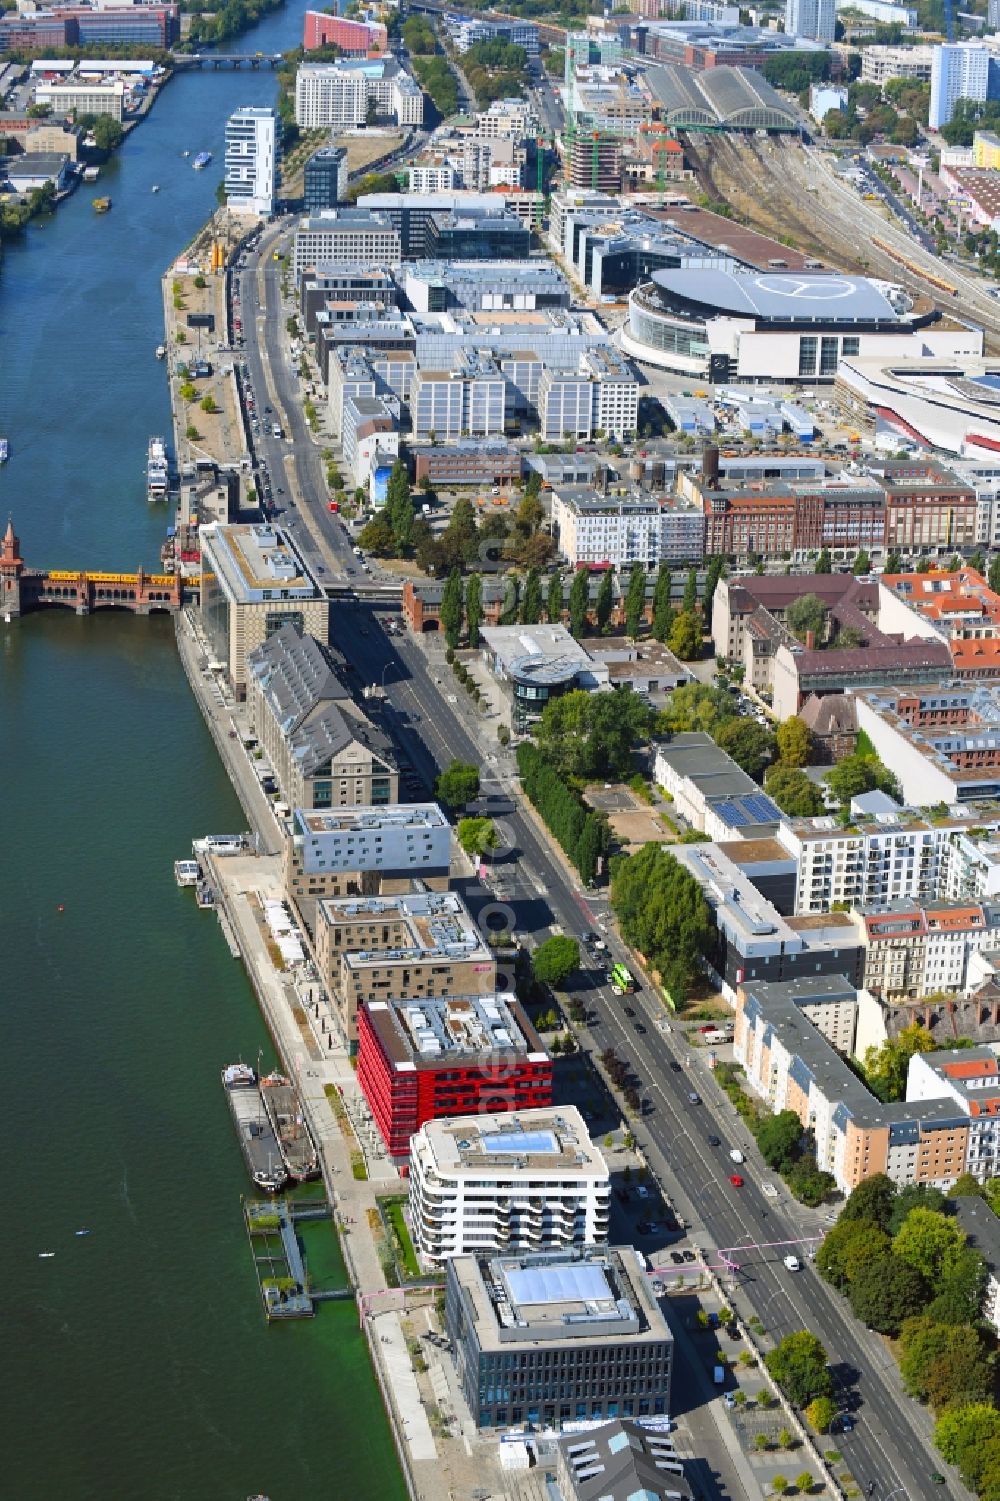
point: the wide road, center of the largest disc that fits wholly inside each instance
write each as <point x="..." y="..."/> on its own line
<point x="889" y="1445"/>
<point x="888" y="1448"/>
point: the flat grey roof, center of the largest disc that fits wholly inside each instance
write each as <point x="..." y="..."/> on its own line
<point x="812" y="296"/>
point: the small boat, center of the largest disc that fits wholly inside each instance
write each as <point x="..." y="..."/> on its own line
<point x="157" y="470"/>
<point x="205" y="896"/>
<point x="201" y="161"/>
<point x="185" y="153"/>
<point x="155" y="188"/>
<point x="161" y="351"/>
<point x="4" y="450"/>
<point x="258" y="1142"/>
<point x="46" y="1255"/>
<point x="81" y="1232"/>
<point x="285" y="1113"/>
<point x="187" y="872"/>
<point x="102" y="205"/>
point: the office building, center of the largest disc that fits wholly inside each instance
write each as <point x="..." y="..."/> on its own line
<point x="337" y="95"/>
<point x="369" y="436"/>
<point x="253" y="581"/>
<point x="711" y="791"/>
<point x="959" y="70"/>
<point x="814" y="19"/>
<point x="324" y="752"/>
<point x="557" y="1338"/>
<point x="420" y="945"/>
<point x="344" y="235"/>
<point x="83" y="98"/>
<point x="489" y="461"/>
<point x="601" y="396"/>
<point x="592" y="528"/>
<point x="253" y="146"/>
<point x="439" y="1056"/>
<point x="888" y="12"/>
<point x="478" y="286"/>
<point x="324" y="179"/>
<point x="364" y="852"/>
<point x="353" y="38"/>
<point x="466" y="402"/>
<point x="466" y="31"/>
<point x="531" y="1181"/>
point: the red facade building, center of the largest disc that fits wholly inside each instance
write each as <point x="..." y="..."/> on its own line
<point x="439" y="1057"/>
<point x="354" y="38"/>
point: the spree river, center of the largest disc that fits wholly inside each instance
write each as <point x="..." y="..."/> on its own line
<point x="135" y="1362"/>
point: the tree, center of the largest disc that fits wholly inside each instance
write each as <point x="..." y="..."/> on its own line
<point x="821" y="1413"/>
<point x="966" y="1435"/>
<point x="804" y="1482"/>
<point x="794" y="741"/>
<point x="944" y="1363"/>
<point x="377" y="535"/>
<point x="850" y="638"/>
<point x="713" y="573"/>
<point x="555" y="960"/>
<point x="477" y="835"/>
<point x="886" y="1067"/>
<point x="885" y="1293"/>
<point x="452" y="608"/>
<point x="893" y="561"/>
<point x="862" y="563"/>
<point x="474" y="608"/>
<point x="750" y="744"/>
<point x="930" y="1242"/>
<point x="690" y="600"/>
<point x="685" y="636"/>
<point x="510" y="608"/>
<point x="993" y="577"/>
<point x="663" y="613"/>
<point x="780" y="1139"/>
<point x="605" y="599"/>
<point x="635" y="600"/>
<point x="591" y="847"/>
<point x="823" y="563"/>
<point x="857" y="774"/>
<point x="695" y="706"/>
<point x="457" y="785"/>
<point x="592" y="734"/>
<point x="554" y="600"/>
<point x="458" y="542"/>
<point x="779" y="1484"/>
<point x="961" y="1292"/>
<point x="798" y="1365"/>
<point x="579" y="603"/>
<point x="914" y="1196"/>
<point x="850" y="1245"/>
<point x="399" y="505"/>
<point x="531" y="605"/>
<point x="793" y="792"/>
<point x="663" y="913"/>
<point x="806" y="614"/>
<point x="872" y="1200"/>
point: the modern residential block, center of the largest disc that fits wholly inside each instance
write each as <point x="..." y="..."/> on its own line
<point x="526" y="1181"/>
<point x="253" y="149"/>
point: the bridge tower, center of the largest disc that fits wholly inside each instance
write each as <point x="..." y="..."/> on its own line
<point x="11" y="568"/>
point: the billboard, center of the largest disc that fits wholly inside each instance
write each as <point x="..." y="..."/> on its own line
<point x="380" y="484"/>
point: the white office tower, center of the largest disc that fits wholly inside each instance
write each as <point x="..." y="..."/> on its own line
<point x="814" y="19"/>
<point x="959" y="70"/>
<point x="252" y="152"/>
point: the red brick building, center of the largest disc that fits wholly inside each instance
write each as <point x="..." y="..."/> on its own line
<point x="438" y="1057"/>
<point x="354" y="38"/>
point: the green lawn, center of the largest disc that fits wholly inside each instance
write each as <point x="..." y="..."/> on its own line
<point x="394" y="1213"/>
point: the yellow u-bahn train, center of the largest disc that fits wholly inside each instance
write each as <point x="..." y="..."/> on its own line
<point x="911" y="266"/>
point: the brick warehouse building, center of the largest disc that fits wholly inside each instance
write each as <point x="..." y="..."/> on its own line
<point x="437" y="1057"/>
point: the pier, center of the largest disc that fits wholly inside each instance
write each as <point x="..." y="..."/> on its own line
<point x="23" y="588"/>
<point x="278" y="1260"/>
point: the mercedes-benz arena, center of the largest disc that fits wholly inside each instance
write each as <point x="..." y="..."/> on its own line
<point x="763" y="327"/>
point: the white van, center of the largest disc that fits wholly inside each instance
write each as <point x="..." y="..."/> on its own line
<point x="793" y="1264"/>
<point x="737" y="1155"/>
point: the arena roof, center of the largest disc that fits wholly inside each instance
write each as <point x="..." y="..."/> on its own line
<point x="780" y="296"/>
<point x="718" y="98"/>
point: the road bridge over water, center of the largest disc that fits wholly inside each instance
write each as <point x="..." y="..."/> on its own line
<point x="217" y="61"/>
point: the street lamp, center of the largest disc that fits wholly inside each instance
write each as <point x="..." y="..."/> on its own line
<point x="385" y="669"/>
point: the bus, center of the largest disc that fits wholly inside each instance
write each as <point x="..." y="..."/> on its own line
<point x="622" y="982"/>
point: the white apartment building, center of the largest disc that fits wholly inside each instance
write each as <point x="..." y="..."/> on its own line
<point x="528" y="1180"/>
<point x="506" y="117"/>
<point x="83" y="98"/>
<point x="592" y="528"/>
<point x="345" y="235"/>
<point x="252" y="154"/>
<point x="432" y="177"/>
<point x="959" y="70"/>
<point x="814" y="19"/>
<point x="879" y="64"/>
<point x="326" y="95"/>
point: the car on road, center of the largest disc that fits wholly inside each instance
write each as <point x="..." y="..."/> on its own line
<point x="736" y="1155"/>
<point x="675" y="1066"/>
<point x="640" y="1028"/>
<point x="714" y="1141"/>
<point x="642" y="1191"/>
<point x="629" y="1010"/>
<point x="792" y="1263"/>
<point x="736" y="1180"/>
<point x="695" y="1099"/>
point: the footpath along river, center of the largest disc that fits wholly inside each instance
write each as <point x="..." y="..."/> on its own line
<point x="135" y="1362"/>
